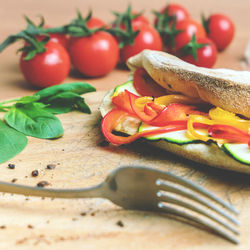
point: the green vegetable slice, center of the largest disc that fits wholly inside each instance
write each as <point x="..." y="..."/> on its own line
<point x="178" y="137"/>
<point x="125" y="86"/>
<point x="12" y="142"/>
<point x="239" y="151"/>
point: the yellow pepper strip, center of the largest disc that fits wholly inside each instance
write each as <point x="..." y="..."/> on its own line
<point x="199" y="119"/>
<point x="168" y="99"/>
<point x="140" y="102"/>
<point x="225" y="117"/>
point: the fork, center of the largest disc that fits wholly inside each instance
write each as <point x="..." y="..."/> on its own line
<point x="144" y="188"/>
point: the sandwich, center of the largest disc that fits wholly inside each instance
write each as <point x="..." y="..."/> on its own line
<point x="198" y="113"/>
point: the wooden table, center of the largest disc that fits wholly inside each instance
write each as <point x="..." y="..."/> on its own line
<point x="81" y="161"/>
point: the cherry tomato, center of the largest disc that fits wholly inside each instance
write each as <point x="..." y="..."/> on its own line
<point x="220" y="30"/>
<point x="48" y="68"/>
<point x="189" y="27"/>
<point x="95" y="22"/>
<point x="59" y="38"/>
<point x="176" y="10"/>
<point x="140" y="19"/>
<point x="206" y="56"/>
<point x="94" y="55"/>
<point x="145" y="85"/>
<point x="148" y="38"/>
<point x="56" y="37"/>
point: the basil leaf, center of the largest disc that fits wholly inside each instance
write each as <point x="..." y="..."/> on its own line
<point x="28" y="99"/>
<point x="12" y="142"/>
<point x="34" y="121"/>
<point x="75" y="87"/>
<point x="83" y="107"/>
<point x="65" y="102"/>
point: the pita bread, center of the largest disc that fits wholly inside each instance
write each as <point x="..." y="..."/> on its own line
<point x="160" y="64"/>
<point x="224" y="88"/>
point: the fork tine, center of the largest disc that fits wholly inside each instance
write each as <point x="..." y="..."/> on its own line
<point x="200" y="220"/>
<point x="174" y="189"/>
<point x="184" y="182"/>
<point x="177" y="201"/>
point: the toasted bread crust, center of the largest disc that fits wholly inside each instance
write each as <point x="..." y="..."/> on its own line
<point x="208" y="154"/>
<point x="223" y="88"/>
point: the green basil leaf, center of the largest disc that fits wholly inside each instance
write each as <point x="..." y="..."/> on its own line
<point x="34" y="121"/>
<point x="75" y="87"/>
<point x="65" y="102"/>
<point x="12" y="142"/>
<point x="28" y="99"/>
<point x="83" y="107"/>
<point x="40" y="105"/>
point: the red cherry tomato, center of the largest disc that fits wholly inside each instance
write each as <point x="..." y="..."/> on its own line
<point x="95" y="22"/>
<point x="206" y="56"/>
<point x="59" y="38"/>
<point x="140" y="19"/>
<point x="176" y="10"/>
<point x="189" y="28"/>
<point x="148" y="38"/>
<point x="220" y="30"/>
<point x="56" y="37"/>
<point x="48" y="68"/>
<point x="145" y="85"/>
<point x="94" y="55"/>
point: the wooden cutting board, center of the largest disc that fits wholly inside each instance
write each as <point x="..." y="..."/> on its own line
<point x="82" y="159"/>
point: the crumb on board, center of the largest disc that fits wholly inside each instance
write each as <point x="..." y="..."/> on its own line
<point x="119" y="223"/>
<point x="51" y="166"/>
<point x="42" y="184"/>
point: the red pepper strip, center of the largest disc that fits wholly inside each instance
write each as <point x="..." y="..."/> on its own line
<point x="172" y="112"/>
<point x="150" y="110"/>
<point x="122" y="101"/>
<point x="138" y="111"/>
<point x="116" y="116"/>
<point x="229" y="133"/>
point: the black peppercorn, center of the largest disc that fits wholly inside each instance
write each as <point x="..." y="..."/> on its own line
<point x="11" y="166"/>
<point x="34" y="173"/>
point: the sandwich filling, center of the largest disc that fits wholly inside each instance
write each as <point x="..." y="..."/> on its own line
<point x="158" y="114"/>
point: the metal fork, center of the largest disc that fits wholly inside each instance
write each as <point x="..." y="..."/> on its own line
<point x="143" y="188"/>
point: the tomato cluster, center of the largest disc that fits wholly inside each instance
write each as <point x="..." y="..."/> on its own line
<point x="190" y="40"/>
<point x="94" y="47"/>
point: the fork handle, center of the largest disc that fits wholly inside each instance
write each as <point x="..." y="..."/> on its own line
<point x="91" y="192"/>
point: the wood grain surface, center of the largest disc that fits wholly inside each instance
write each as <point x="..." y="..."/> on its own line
<point x="82" y="159"/>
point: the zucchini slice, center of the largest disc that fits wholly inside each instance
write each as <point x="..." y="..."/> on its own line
<point x="239" y="151"/>
<point x="128" y="86"/>
<point x="178" y="137"/>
